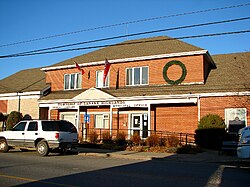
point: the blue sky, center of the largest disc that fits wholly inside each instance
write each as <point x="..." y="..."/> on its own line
<point x="23" y="20"/>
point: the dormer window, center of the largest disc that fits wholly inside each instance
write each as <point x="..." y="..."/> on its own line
<point x="137" y="76"/>
<point x="72" y="81"/>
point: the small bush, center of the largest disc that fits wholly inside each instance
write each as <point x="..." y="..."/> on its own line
<point x="120" y="138"/>
<point x="210" y="138"/>
<point x="93" y="136"/>
<point x="106" y="137"/>
<point x="153" y="140"/>
<point x="136" y="139"/>
<point x="172" y="141"/>
<point x="13" y="119"/>
<point x="211" y="121"/>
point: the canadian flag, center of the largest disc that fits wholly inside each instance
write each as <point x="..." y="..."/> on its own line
<point x="106" y="70"/>
<point x="79" y="68"/>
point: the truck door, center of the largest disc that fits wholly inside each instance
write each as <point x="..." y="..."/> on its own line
<point x="17" y="134"/>
<point x="31" y="133"/>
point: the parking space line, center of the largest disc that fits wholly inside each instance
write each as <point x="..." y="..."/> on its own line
<point x="33" y="180"/>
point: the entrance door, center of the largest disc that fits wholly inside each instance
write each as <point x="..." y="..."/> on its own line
<point x="140" y="124"/>
<point x="136" y="124"/>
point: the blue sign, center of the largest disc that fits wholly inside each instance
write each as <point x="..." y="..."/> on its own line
<point x="86" y="118"/>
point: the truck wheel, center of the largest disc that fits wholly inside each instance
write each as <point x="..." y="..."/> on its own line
<point x="3" y="146"/>
<point x="42" y="148"/>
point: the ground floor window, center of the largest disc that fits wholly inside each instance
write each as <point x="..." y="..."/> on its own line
<point x="101" y="121"/>
<point x="235" y="114"/>
<point x="235" y="118"/>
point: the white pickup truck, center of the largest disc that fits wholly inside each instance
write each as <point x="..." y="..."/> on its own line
<point x="243" y="149"/>
<point x="44" y="135"/>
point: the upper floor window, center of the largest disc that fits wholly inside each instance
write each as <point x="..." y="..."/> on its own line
<point x="99" y="79"/>
<point x="72" y="81"/>
<point x="137" y="76"/>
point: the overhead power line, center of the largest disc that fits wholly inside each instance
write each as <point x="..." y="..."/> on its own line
<point x="135" y="34"/>
<point x="126" y="23"/>
<point x="127" y="43"/>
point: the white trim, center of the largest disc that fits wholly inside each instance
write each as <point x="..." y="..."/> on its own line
<point x="20" y="94"/>
<point x="149" y="119"/>
<point x="200" y="52"/>
<point x="110" y="120"/>
<point x="221" y="94"/>
<point x="155" y="99"/>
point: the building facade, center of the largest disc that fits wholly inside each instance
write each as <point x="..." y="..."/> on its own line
<point x="153" y="84"/>
<point x="21" y="91"/>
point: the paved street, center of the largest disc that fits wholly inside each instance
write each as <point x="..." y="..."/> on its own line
<point x="26" y="168"/>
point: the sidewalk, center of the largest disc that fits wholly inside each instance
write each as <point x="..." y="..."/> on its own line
<point x="207" y="156"/>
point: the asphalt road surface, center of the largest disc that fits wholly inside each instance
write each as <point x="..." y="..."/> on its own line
<point x="28" y="169"/>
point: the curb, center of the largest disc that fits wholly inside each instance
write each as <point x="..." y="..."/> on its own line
<point x="113" y="155"/>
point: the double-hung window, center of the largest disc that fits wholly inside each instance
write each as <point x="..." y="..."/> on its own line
<point x="102" y="121"/>
<point x="72" y="81"/>
<point x="99" y="79"/>
<point x="137" y="76"/>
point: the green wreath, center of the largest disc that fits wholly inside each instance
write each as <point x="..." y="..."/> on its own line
<point x="183" y="76"/>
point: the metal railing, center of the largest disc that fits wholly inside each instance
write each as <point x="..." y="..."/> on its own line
<point x="184" y="138"/>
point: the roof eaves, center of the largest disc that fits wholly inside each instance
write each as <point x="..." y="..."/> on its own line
<point x="133" y="59"/>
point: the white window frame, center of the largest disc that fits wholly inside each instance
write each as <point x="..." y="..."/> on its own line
<point x="235" y="115"/>
<point x="106" y="85"/>
<point x="104" y="121"/>
<point x="75" y="81"/>
<point x="133" y="74"/>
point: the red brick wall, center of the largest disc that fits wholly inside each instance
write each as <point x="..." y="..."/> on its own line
<point x="194" y="65"/>
<point x="3" y="106"/>
<point x="54" y="114"/>
<point x="175" y="118"/>
<point x="217" y="105"/>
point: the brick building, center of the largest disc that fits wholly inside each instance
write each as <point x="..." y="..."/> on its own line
<point x="154" y="84"/>
<point x="21" y="91"/>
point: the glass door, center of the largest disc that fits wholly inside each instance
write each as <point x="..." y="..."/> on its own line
<point x="136" y="124"/>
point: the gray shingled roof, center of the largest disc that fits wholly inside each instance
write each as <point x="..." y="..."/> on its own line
<point x="24" y="81"/>
<point x="133" y="48"/>
<point x="232" y="74"/>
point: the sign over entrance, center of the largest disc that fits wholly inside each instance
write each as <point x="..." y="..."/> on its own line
<point x="113" y="104"/>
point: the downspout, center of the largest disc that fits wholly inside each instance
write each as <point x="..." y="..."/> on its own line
<point x="110" y="119"/>
<point x="19" y="101"/>
<point x="149" y="118"/>
<point x="199" y="108"/>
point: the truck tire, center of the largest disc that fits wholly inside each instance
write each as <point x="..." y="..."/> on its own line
<point x="4" y="148"/>
<point x="42" y="148"/>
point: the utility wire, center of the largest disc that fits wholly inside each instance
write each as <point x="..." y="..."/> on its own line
<point x="126" y="23"/>
<point x="128" y="43"/>
<point x="135" y="34"/>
